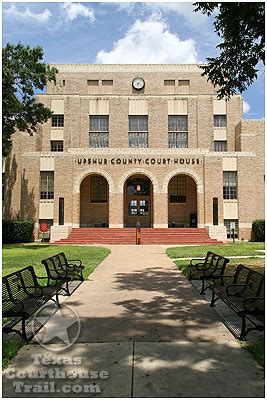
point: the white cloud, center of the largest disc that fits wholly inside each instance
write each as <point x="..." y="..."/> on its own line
<point x="194" y="19"/>
<point x="246" y="107"/>
<point x="40" y="17"/>
<point x="74" y="10"/>
<point x="149" y="42"/>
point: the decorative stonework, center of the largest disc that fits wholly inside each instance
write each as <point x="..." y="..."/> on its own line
<point x="90" y="171"/>
<point x="136" y="171"/>
<point x="189" y="172"/>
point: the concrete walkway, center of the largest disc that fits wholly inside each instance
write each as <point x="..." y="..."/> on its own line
<point x="148" y="327"/>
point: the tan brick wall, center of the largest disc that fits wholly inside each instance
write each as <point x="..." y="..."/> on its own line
<point x="245" y="143"/>
<point x="91" y="213"/>
<point x="180" y="213"/>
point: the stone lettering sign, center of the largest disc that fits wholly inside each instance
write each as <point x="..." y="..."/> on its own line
<point x="139" y="161"/>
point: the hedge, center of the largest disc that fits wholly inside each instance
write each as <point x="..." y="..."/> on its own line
<point x="17" y="231"/>
<point x="258" y="230"/>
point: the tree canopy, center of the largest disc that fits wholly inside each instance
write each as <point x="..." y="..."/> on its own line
<point x="241" y="25"/>
<point x="23" y="73"/>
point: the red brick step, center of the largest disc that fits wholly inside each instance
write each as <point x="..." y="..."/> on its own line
<point x="148" y="236"/>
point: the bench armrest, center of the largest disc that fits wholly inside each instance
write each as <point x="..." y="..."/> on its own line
<point x="43" y="277"/>
<point x="253" y="307"/>
<point x="201" y="261"/>
<point x="239" y="288"/>
<point x="32" y="287"/>
<point x="73" y="262"/>
<point x="15" y="302"/>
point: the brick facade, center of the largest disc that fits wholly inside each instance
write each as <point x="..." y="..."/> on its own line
<point x="199" y="163"/>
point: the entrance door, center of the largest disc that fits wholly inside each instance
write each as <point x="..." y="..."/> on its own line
<point x="138" y="204"/>
<point x="138" y="210"/>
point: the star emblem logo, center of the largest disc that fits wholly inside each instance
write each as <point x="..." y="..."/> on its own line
<point x="62" y="324"/>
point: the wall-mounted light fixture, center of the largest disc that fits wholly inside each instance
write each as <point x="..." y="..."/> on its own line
<point x="138" y="187"/>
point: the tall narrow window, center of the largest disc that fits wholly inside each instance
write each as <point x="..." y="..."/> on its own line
<point x="177" y="189"/>
<point x="99" y="131"/>
<point x="229" y="185"/>
<point x="228" y="223"/>
<point x="138" y="131"/>
<point x="219" y="121"/>
<point x="215" y="210"/>
<point x="46" y="185"/>
<point x="61" y="211"/>
<point x="178" y="130"/>
<point x="57" y="121"/>
<point x="56" y="145"/>
<point x="220" y="145"/>
<point x="98" y="189"/>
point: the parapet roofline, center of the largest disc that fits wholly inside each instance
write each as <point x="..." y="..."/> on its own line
<point x="128" y="67"/>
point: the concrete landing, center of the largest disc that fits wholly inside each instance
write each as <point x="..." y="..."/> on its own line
<point x="145" y="325"/>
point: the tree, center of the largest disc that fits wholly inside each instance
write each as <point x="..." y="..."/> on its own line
<point x="241" y="25"/>
<point x="23" y="73"/>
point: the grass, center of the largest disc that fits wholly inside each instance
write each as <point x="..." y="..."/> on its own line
<point x="256" y="348"/>
<point x="9" y="350"/>
<point x="229" y="249"/>
<point x="17" y="256"/>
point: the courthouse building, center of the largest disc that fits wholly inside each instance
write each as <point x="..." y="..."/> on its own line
<point x="128" y="143"/>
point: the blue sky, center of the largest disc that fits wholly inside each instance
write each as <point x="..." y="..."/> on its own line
<point x="122" y="32"/>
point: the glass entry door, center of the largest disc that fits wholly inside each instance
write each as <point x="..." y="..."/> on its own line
<point x="138" y="202"/>
<point x="138" y="210"/>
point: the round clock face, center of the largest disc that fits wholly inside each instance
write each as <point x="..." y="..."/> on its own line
<point x="138" y="83"/>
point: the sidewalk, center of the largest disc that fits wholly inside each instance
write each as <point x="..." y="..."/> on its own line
<point x="145" y="324"/>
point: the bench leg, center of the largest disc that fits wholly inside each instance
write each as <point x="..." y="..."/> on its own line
<point x="203" y="287"/>
<point x="243" y="329"/>
<point x="213" y="299"/>
<point x="57" y="301"/>
<point x="82" y="278"/>
<point x="23" y="329"/>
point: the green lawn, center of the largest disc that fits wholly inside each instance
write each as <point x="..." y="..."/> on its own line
<point x="16" y="256"/>
<point x="229" y="249"/>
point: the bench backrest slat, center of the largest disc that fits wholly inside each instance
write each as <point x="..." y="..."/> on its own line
<point x="253" y="280"/>
<point x="55" y="265"/>
<point x="15" y="286"/>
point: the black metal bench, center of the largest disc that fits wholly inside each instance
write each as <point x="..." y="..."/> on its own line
<point x="244" y="295"/>
<point x="213" y="265"/>
<point x="62" y="270"/>
<point x="22" y="297"/>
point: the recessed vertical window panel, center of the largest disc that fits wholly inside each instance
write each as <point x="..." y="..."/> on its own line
<point x="228" y="223"/>
<point x="46" y="185"/>
<point x="220" y="145"/>
<point x="98" y="131"/>
<point x="138" y="131"/>
<point x="56" y="145"/>
<point x="58" y="121"/>
<point x="177" y="189"/>
<point x="219" y="121"/>
<point x="229" y="185"/>
<point x="178" y="131"/>
<point x="98" y="189"/>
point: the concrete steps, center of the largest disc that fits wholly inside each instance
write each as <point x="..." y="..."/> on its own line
<point x="128" y="236"/>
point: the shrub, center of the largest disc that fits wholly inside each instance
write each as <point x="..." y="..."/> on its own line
<point x="258" y="230"/>
<point x="17" y="231"/>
